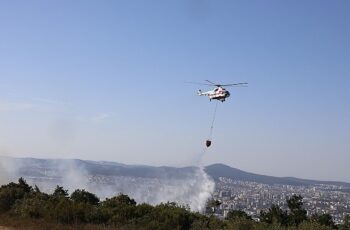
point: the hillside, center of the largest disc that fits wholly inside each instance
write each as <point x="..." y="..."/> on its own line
<point x="53" y="168"/>
<point x="221" y="170"/>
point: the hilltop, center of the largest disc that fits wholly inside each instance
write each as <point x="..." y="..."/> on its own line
<point x="44" y="168"/>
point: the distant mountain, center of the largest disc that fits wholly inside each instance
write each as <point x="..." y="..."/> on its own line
<point x="54" y="168"/>
<point x="33" y="167"/>
<point x="221" y="170"/>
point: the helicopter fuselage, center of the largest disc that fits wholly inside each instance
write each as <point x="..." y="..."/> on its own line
<point x="219" y="93"/>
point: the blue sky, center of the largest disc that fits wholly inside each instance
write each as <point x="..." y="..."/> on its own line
<point x="105" y="81"/>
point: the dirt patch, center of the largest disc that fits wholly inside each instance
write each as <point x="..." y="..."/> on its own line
<point x="5" y="228"/>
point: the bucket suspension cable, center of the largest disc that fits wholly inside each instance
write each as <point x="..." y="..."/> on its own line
<point x="208" y="141"/>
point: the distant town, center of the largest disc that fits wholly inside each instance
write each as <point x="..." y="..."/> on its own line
<point x="253" y="197"/>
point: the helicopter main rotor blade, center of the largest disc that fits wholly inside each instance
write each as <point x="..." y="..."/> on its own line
<point x="242" y="84"/>
<point x="197" y="83"/>
<point x="213" y="83"/>
<point x="237" y="84"/>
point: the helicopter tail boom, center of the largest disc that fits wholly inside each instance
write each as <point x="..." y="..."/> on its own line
<point x="201" y="93"/>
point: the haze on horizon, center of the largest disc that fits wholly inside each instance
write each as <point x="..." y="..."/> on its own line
<point x="105" y="81"/>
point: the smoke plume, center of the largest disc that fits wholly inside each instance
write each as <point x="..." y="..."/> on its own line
<point x="189" y="186"/>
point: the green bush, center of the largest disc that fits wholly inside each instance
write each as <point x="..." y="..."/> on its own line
<point x="12" y="192"/>
<point x="82" y="196"/>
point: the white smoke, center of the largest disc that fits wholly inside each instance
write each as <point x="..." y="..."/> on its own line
<point x="8" y="170"/>
<point x="74" y="176"/>
<point x="46" y="174"/>
<point x="192" y="189"/>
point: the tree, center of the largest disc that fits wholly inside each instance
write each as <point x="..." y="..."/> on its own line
<point x="324" y="219"/>
<point x="32" y="207"/>
<point x="23" y="185"/>
<point x="311" y="225"/>
<point x="237" y="214"/>
<point x="60" y="192"/>
<point x="119" y="200"/>
<point x="297" y="212"/>
<point x="170" y="215"/>
<point x="82" y="196"/>
<point x="12" y="192"/>
<point x="275" y="215"/>
<point x="346" y="223"/>
<point x="214" y="204"/>
<point x="119" y="209"/>
<point x="34" y="204"/>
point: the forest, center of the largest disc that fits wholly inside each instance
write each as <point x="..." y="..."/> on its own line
<point x="25" y="207"/>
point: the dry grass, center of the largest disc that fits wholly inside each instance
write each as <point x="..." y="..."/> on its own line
<point x="12" y="223"/>
<point x="5" y="228"/>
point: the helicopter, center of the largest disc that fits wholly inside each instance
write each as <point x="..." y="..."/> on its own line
<point x="219" y="92"/>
